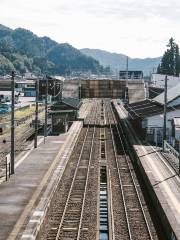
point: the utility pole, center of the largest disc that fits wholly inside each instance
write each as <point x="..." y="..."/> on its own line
<point x="165" y="111"/>
<point x="12" y="123"/>
<point x="179" y="158"/>
<point x="46" y="113"/>
<point x="127" y="68"/>
<point x="36" y="114"/>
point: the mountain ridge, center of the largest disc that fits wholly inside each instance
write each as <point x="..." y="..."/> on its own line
<point x="117" y="61"/>
<point x="23" y="51"/>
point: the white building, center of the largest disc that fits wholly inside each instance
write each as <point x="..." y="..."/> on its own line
<point x="173" y="96"/>
<point x="5" y="96"/>
<point x="158" y="80"/>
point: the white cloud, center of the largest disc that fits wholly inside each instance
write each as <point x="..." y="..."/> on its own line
<point x="139" y="28"/>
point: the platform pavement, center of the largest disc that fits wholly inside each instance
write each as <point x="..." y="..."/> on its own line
<point x="23" y="191"/>
<point x="162" y="179"/>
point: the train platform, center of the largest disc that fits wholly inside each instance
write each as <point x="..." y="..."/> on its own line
<point x="85" y="108"/>
<point x="36" y="173"/>
<point x="162" y="181"/>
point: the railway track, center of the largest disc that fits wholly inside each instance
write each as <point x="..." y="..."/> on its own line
<point x="21" y="144"/>
<point x="67" y="219"/>
<point x="98" y="196"/>
<point x="23" y="132"/>
<point x="134" y="223"/>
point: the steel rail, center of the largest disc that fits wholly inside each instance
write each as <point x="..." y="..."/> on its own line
<point x="87" y="178"/>
<point x="120" y="180"/>
<point x="161" y="156"/>
<point x="72" y="184"/>
<point x="134" y="184"/>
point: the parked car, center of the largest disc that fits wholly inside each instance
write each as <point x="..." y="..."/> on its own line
<point x="5" y="108"/>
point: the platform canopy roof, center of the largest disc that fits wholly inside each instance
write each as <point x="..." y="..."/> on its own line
<point x="68" y="103"/>
<point x="172" y="94"/>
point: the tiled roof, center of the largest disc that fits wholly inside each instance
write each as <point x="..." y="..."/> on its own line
<point x="172" y="94"/>
<point x="145" y="108"/>
<point x="72" y="102"/>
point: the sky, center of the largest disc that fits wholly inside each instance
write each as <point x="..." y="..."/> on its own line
<point x="137" y="28"/>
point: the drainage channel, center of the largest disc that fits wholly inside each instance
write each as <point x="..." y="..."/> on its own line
<point x="103" y="198"/>
<point x="103" y="208"/>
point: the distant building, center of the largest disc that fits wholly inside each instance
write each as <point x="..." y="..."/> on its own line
<point x="5" y="96"/>
<point x="54" y="88"/>
<point x="130" y="75"/>
<point x="26" y="87"/>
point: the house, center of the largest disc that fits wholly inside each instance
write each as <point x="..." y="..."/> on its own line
<point x="148" y="118"/>
<point x="27" y="87"/>
<point x="173" y="96"/>
<point x="176" y="132"/>
<point x="158" y="80"/>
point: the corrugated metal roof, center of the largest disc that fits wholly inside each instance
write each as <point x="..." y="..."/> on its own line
<point x="172" y="94"/>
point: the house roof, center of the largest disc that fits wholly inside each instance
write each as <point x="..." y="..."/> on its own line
<point x="66" y="104"/>
<point x="146" y="108"/>
<point x="172" y="94"/>
<point x="72" y="102"/>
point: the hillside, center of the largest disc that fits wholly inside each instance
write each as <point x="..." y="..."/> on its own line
<point x="118" y="61"/>
<point x="23" y="51"/>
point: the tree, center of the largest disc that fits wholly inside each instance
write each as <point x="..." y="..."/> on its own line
<point x="170" y="62"/>
<point x="177" y="61"/>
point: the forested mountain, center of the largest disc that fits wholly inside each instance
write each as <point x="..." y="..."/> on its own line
<point x="23" y="51"/>
<point x="118" y="61"/>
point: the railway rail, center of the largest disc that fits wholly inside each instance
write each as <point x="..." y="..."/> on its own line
<point x="23" y="132"/>
<point x="170" y="159"/>
<point x="134" y="222"/>
<point x="99" y="196"/>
